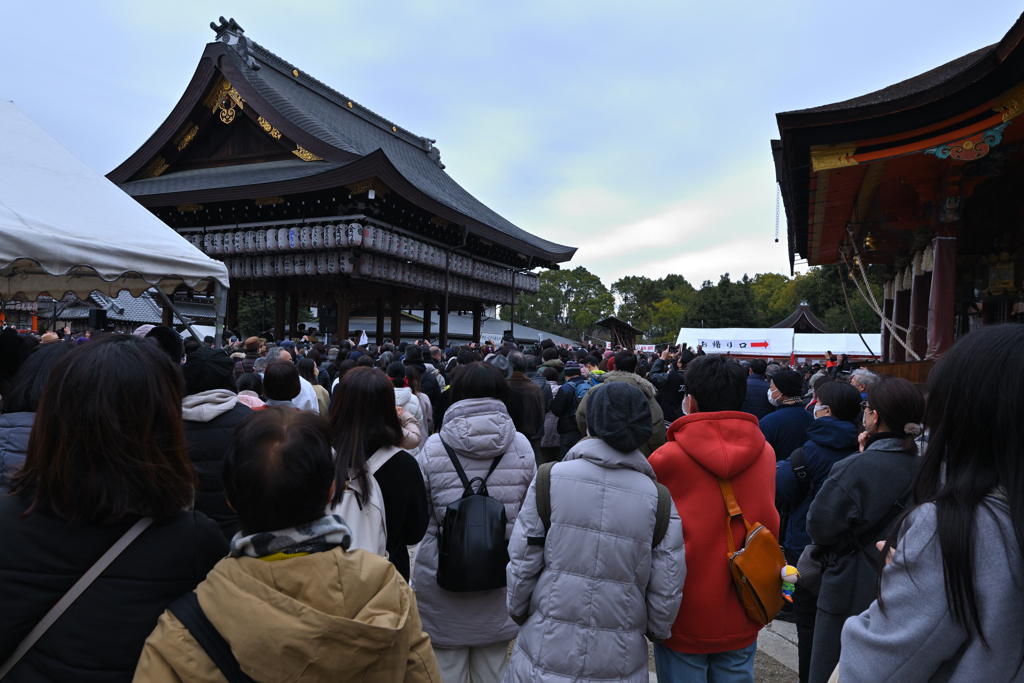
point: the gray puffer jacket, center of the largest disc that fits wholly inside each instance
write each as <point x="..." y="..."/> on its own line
<point x="595" y="587"/>
<point x="478" y="430"/>
<point x="14" y="431"/>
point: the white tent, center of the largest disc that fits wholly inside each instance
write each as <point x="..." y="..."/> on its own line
<point x="65" y="228"/>
<point x="817" y="345"/>
<point x="740" y="341"/>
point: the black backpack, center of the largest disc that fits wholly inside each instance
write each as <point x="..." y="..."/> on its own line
<point x="472" y="552"/>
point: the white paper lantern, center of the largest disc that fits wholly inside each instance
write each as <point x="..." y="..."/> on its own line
<point x="304" y="238"/>
<point x="366" y="265"/>
<point x="329" y="241"/>
<point x="355" y="234"/>
<point x="269" y="239"/>
<point x="347" y="261"/>
<point x="197" y="241"/>
<point x="341" y="236"/>
<point x="282" y="239"/>
<point x="332" y="263"/>
<point x="383" y="241"/>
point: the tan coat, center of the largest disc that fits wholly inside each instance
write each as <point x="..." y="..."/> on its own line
<point x="331" y="616"/>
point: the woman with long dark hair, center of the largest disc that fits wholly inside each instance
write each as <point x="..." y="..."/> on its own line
<point x="855" y="508"/>
<point x="308" y="371"/>
<point x="365" y="423"/>
<point x="950" y="602"/>
<point x="107" y="448"/>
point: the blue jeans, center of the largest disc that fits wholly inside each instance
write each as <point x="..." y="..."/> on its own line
<point x="733" y="666"/>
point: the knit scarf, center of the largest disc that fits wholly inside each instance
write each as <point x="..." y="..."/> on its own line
<point x="317" y="536"/>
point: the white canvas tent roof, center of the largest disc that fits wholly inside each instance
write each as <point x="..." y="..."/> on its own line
<point x="66" y="228"/>
<point x="850" y="344"/>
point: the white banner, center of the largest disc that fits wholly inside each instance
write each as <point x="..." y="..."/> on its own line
<point x="740" y="341"/>
<point x="645" y="348"/>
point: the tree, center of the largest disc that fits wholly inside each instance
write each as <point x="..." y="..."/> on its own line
<point x="568" y="302"/>
<point x="256" y="313"/>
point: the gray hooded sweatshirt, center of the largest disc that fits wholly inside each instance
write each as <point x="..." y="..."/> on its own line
<point x="916" y="639"/>
<point x="595" y="587"/>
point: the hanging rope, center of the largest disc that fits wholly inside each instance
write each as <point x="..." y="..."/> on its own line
<point x="778" y="194"/>
<point x="849" y="309"/>
<point x="873" y="303"/>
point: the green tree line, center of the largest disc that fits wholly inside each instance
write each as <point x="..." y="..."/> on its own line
<point x="571" y="302"/>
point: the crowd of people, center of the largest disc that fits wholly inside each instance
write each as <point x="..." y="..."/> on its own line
<point x="287" y="510"/>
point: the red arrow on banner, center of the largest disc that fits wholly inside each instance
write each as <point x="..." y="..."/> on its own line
<point x="762" y="345"/>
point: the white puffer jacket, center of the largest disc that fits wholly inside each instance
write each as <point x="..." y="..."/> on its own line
<point x="478" y="430"/>
<point x="595" y="587"/>
<point x="407" y="401"/>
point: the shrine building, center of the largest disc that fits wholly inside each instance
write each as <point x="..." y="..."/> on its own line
<point x="923" y="177"/>
<point x="310" y="197"/>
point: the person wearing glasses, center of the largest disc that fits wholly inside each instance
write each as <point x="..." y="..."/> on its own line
<point x="855" y="507"/>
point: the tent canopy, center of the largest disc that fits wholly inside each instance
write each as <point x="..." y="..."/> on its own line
<point x="65" y="228"/>
<point x="850" y="344"/>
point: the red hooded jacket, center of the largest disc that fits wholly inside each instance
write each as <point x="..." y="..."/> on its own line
<point x="702" y="447"/>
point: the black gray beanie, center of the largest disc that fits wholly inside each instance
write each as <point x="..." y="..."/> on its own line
<point x="619" y="415"/>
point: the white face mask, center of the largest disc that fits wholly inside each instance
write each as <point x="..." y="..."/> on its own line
<point x="773" y="401"/>
<point x="816" y="409"/>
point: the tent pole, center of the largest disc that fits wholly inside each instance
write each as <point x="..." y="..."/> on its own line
<point x="220" y="302"/>
<point x="185" y="321"/>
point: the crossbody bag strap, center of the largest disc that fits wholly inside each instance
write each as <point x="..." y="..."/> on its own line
<point x="732" y="508"/>
<point x="191" y="615"/>
<point x="73" y="594"/>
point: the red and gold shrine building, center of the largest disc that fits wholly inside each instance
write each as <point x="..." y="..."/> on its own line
<point x="924" y="177"/>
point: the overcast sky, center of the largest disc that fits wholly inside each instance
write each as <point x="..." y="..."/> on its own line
<point x="638" y="132"/>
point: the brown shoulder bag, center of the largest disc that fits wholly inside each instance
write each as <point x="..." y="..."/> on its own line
<point x="757" y="566"/>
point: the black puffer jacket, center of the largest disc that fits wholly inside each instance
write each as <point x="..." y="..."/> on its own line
<point x="210" y="420"/>
<point x="99" y="638"/>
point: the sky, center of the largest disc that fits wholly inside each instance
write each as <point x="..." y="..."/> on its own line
<point x="637" y="132"/>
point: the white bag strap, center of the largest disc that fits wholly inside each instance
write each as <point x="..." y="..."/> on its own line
<point x="381" y="456"/>
<point x="69" y="598"/>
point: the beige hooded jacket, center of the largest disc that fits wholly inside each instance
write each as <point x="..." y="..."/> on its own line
<point x="330" y="616"/>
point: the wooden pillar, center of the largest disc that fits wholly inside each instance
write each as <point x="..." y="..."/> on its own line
<point x="919" y="308"/>
<point x="396" y="316"/>
<point x="293" y="316"/>
<point x="942" y="302"/>
<point x="167" y="315"/>
<point x="343" y="312"/>
<point x="380" y="320"/>
<point x="478" y="314"/>
<point x="280" y="292"/>
<point x="232" y="321"/>
<point x="442" y="323"/>
<point x="427" y="305"/>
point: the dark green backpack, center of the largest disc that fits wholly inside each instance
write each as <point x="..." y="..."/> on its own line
<point x="543" y="491"/>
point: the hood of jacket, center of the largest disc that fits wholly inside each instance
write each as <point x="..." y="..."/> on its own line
<point x="555" y="363"/>
<point x="318" y="615"/>
<point x="724" y="443"/>
<point x="402" y="396"/>
<point x="206" y="405"/>
<point x="832" y="433"/>
<point x="17" y="420"/>
<point x="598" y="452"/>
<point x="630" y="378"/>
<point x="478" y="428"/>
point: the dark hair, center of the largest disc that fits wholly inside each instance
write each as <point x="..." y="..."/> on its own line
<point x="413" y="354"/>
<point x="190" y="345"/>
<point x="464" y="357"/>
<point x="396" y="373"/>
<point x="758" y="366"/>
<point x="250" y="381"/>
<point x="278" y="469"/>
<point x="412" y="376"/>
<point x="549" y="353"/>
<point x="842" y="397"/>
<point x="14" y="351"/>
<point x="550" y="374"/>
<point x="363" y="419"/>
<point x="281" y="381"/>
<point x="625" y="361"/>
<point x="592" y="360"/>
<point x="824" y="379"/>
<point x="306" y="368"/>
<point x="897" y="403"/>
<point x="26" y="389"/>
<point x="168" y="340"/>
<point x="364" y="361"/>
<point x="315" y="356"/>
<point x="478" y="380"/>
<point x="975" y="443"/>
<point x="717" y="384"/>
<point x="108" y="439"/>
